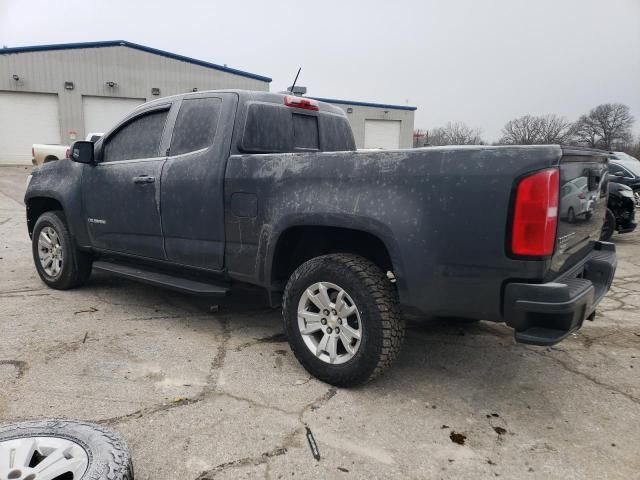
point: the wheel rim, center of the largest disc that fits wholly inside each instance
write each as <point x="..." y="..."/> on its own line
<point x="50" y="251"/>
<point x="42" y="458"/>
<point x="637" y="197"/>
<point x="329" y="323"/>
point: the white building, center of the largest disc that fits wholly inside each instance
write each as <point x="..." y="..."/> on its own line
<point x="58" y="93"/>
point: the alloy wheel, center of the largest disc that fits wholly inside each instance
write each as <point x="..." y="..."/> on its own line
<point x="50" y="251"/>
<point x="329" y="322"/>
<point x="42" y="458"/>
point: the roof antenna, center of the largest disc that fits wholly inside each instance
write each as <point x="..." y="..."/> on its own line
<point x="292" y="87"/>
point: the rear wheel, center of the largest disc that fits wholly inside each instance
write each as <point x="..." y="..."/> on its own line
<point x="60" y="264"/>
<point x="609" y="226"/>
<point x="342" y="319"/>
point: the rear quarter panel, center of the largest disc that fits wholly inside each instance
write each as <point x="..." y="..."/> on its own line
<point x="441" y="212"/>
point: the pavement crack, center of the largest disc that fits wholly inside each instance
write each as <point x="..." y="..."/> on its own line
<point x="241" y="462"/>
<point x="218" y="360"/>
<point x="163" y="407"/>
<point x="570" y="368"/>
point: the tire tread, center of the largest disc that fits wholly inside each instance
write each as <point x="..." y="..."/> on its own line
<point x="383" y="297"/>
<point x="119" y="465"/>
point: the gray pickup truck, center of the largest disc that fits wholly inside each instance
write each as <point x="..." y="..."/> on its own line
<point x="197" y="192"/>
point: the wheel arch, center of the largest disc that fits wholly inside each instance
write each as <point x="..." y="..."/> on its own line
<point x="299" y="241"/>
<point x="36" y="206"/>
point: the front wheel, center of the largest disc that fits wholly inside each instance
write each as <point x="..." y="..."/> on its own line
<point x="60" y="264"/>
<point x="342" y="319"/>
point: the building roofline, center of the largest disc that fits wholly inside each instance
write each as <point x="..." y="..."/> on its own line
<point x="364" y="104"/>
<point x="124" y="43"/>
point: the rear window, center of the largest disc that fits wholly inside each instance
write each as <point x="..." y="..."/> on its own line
<point x="196" y="125"/>
<point x="305" y="132"/>
<point x="271" y="128"/>
<point x="337" y="134"/>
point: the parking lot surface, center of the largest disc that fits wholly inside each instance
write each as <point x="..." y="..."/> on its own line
<point x="209" y="388"/>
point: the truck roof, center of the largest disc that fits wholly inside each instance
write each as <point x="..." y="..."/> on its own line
<point x="245" y="96"/>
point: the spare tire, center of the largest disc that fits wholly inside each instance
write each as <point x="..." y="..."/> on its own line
<point x="61" y="450"/>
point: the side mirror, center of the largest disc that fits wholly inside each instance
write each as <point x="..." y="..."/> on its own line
<point x="82" y="152"/>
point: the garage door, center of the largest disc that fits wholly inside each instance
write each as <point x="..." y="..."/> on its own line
<point x="25" y="119"/>
<point x="102" y="113"/>
<point x="382" y="134"/>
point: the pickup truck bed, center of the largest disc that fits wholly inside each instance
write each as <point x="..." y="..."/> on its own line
<point x="348" y="242"/>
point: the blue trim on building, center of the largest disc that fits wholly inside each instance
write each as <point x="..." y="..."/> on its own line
<point x="364" y="104"/>
<point x="124" y="43"/>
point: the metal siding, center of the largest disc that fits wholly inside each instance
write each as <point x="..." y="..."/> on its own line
<point x="135" y="71"/>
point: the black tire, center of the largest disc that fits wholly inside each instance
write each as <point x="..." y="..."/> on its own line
<point x="376" y="299"/>
<point x="609" y="226"/>
<point x="76" y="265"/>
<point x="107" y="452"/>
<point x="571" y="215"/>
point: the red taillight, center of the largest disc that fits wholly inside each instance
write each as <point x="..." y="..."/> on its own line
<point x="299" y="102"/>
<point x="582" y="196"/>
<point x="535" y="216"/>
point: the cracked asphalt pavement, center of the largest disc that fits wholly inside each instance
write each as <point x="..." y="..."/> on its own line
<point x="202" y="392"/>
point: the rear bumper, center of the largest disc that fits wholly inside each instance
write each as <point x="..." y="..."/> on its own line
<point x="546" y="313"/>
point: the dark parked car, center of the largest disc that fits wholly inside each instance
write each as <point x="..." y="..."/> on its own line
<point x="621" y="211"/>
<point x="197" y="191"/>
<point x="626" y="170"/>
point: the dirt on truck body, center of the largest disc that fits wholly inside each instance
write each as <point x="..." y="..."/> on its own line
<point x="197" y="191"/>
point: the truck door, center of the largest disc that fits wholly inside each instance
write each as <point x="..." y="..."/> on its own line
<point x="121" y="192"/>
<point x="192" y="196"/>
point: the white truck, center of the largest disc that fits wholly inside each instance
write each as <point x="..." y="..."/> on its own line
<point x="43" y="153"/>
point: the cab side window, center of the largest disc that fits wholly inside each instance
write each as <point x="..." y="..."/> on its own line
<point x="616" y="170"/>
<point x="196" y="125"/>
<point x="139" y="138"/>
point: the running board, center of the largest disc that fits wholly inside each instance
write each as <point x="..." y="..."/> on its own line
<point x="158" y="279"/>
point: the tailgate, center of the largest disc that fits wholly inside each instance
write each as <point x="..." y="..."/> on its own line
<point x="582" y="205"/>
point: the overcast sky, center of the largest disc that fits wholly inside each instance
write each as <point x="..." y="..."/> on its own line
<point x="478" y="61"/>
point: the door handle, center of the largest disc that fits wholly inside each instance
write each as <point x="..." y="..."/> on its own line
<point x="144" y="179"/>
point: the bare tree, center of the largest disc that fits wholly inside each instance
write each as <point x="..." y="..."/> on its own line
<point x="521" y="131"/>
<point x="586" y="132"/>
<point x="632" y="148"/>
<point x="555" y="129"/>
<point x="454" y="133"/>
<point x="607" y="126"/>
<point x="535" y="130"/>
